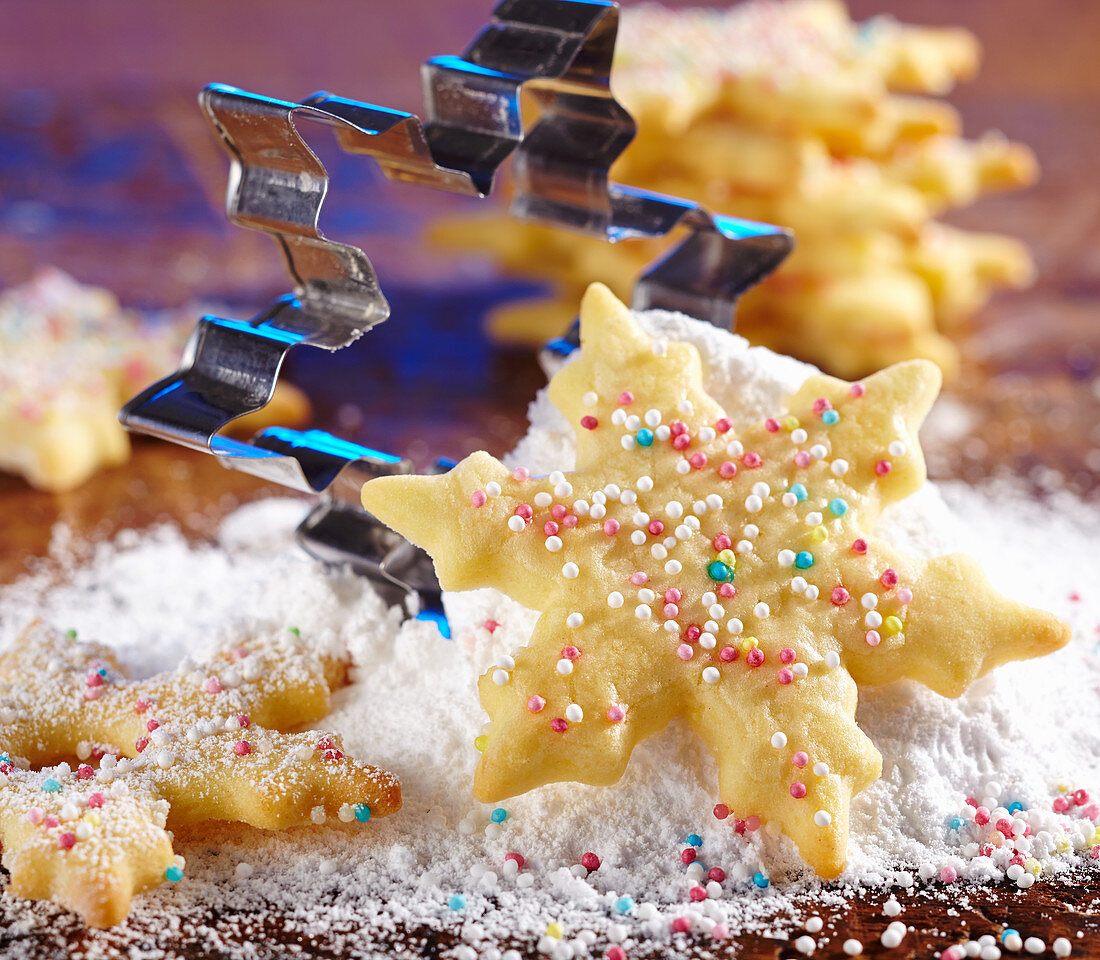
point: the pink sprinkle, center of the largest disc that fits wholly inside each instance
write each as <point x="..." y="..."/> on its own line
<point x="96" y="800"/>
<point x="785" y="676"/>
<point x="681" y="925"/>
<point x="798" y="790"/>
<point x="693" y="632"/>
<point x="638" y="578"/>
<point x="752" y="824"/>
<point x="590" y="862"/>
<point x="491" y="625"/>
<point x="839" y="596"/>
<point x="518" y="857"/>
<point x="948" y="875"/>
<point x="698" y="460"/>
<point x="905" y="595"/>
<point x="558" y="510"/>
<point x="478" y="498"/>
<point x="681" y="441"/>
<point x="786" y="655"/>
<point x="755" y="657"/>
<point x="152" y="725"/>
<point x="615" y="713"/>
<point x="536" y="704"/>
<point x="800" y="759"/>
<point x="727" y="470"/>
<point x="1060" y="804"/>
<point x="626" y="398"/>
<point x="84" y="772"/>
<point x="212" y="685"/>
<point x="873" y="638"/>
<point x="727" y="590"/>
<point x="721" y="812"/>
<point x="1096" y="851"/>
<point x="677" y="427"/>
<point x="616" y="953"/>
<point x="820" y="406"/>
<point x="570" y="653"/>
<point x="92" y="693"/>
<point x="51" y="823"/>
<point x="1005" y="826"/>
<point x="860" y="546"/>
<point x="728" y="654"/>
<point x="752" y="460"/>
<point x="889" y="578"/>
<point x="141" y="743"/>
<point x="771" y="425"/>
<point x="242" y="748"/>
<point x="524" y="511"/>
<point x="697" y="894"/>
<point x="589" y="423"/>
<point x="722" y="425"/>
<point x="719" y="931"/>
<point x="94" y="679"/>
<point x="1091" y="812"/>
<point x="883" y="467"/>
<point x="671" y="611"/>
<point x="243" y="719"/>
<point x="739" y="827"/>
<point x="570" y="521"/>
<point x="35" y="815"/>
<point x="672" y="595"/>
<point x="684" y="652"/>
<point x="611" y="526"/>
<point x="66" y="841"/>
<point x="239" y="653"/>
<point x="558" y="725"/>
<point x="141" y="705"/>
<point x="656" y="527"/>
<point x="722" y="542"/>
<point x="802" y="459"/>
<point x="550" y="528"/>
<point x="717" y="874"/>
<point x="953" y="953"/>
<point x="981" y="816"/>
<point x="972" y="802"/>
<point x="520" y="474"/>
<point x="857" y="390"/>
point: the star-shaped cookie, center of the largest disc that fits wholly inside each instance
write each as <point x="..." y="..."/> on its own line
<point x="696" y="566"/>
<point x="180" y="748"/>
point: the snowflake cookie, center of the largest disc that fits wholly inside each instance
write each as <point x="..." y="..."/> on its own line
<point x="696" y="566"/>
<point x="180" y="748"/>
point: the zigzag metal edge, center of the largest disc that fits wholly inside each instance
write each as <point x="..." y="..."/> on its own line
<point x="560" y="52"/>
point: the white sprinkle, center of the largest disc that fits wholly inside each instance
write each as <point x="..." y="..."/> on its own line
<point x="707" y="434"/>
<point x="819" y="451"/>
<point x="1061" y="947"/>
<point x="683" y="532"/>
<point x="662" y="432"/>
<point x="896" y="449"/>
<point x="753" y="503"/>
<point x="590" y="399"/>
<point x="761" y="611"/>
<point x="714" y="501"/>
<point x="658" y="551"/>
<point x="673" y="567"/>
<point x="785" y="558"/>
<point x="813" y="518"/>
<point x="628" y="442"/>
<point x="674" y="509"/>
<point x="581" y="508"/>
<point x="570" y="571"/>
<point x="853" y="948"/>
<point x="891" y="908"/>
<point x="633" y="422"/>
<point x="815" y="924"/>
<point x="641" y="519"/>
<point x="327" y="867"/>
<point x="873" y="619"/>
<point x="811" y="592"/>
<point x="506" y="663"/>
<point x="800" y="670"/>
<point x="614" y="599"/>
<point x="761" y="489"/>
<point x="69" y="811"/>
<point x="716" y="610"/>
<point x="501" y="677"/>
<point x="642" y="612"/>
<point x="645" y="484"/>
<point x="563" y="490"/>
<point x="618" y="417"/>
<point x="244" y="870"/>
<point x="652" y="418"/>
<point x="789" y="500"/>
<point x="693" y="522"/>
<point x="707" y="640"/>
<point x="805" y="945"/>
<point x="574" y="620"/>
<point x="516" y="524"/>
<point x="565" y="667"/>
<point x="597" y="511"/>
<point x="893" y="934"/>
<point x="711" y="675"/>
<point x="573" y="713"/>
<point x="646" y="595"/>
<point x="612" y="491"/>
<point x="671" y="626"/>
<point x="1034" y="945"/>
<point x="685" y="407"/>
<point x="83" y="831"/>
<point x="699" y="507"/>
<point x="839" y="468"/>
<point x="798" y="584"/>
<point x="553" y="544"/>
<point x="629" y="497"/>
<point x="798" y="436"/>
<point x="637" y="538"/>
<point x="543" y="499"/>
<point x="735" y="448"/>
<point x="492" y="488"/>
<point x="823" y="818"/>
<point x="744" y="546"/>
<point x="165" y="759"/>
<point x="869" y="601"/>
<point x="779" y="739"/>
<point x="709" y="598"/>
<point x="735" y="626"/>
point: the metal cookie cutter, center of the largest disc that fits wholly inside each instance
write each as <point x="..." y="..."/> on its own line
<point x="559" y="52"/>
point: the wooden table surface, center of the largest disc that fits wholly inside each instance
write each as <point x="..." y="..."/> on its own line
<point x="107" y="170"/>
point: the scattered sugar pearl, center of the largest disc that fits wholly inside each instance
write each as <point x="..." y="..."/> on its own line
<point x="805" y="945"/>
<point x="590" y="399"/>
<point x="565" y="667"/>
<point x="832" y="659"/>
<point x="574" y="713"/>
<point x="1061" y="947"/>
<point x="615" y="600"/>
<point x="575" y="619"/>
<point x="853" y="947"/>
<point x="893" y="935"/>
<point x="553" y="544"/>
<point x="570" y="571"/>
<point x="779" y="740"/>
<point x="823" y="818"/>
<point x="815" y="924"/>
<point x="891" y="908"/>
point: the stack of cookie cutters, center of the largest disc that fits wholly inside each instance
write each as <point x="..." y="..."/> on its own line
<point x="559" y="52"/>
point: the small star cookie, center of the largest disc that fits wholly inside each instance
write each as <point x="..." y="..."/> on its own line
<point x="180" y="748"/>
<point x="691" y="568"/>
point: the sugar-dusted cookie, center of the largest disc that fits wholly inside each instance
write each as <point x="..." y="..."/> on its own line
<point x="198" y="744"/>
<point x="697" y="566"/>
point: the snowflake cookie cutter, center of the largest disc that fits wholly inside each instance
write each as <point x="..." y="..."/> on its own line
<point x="557" y="51"/>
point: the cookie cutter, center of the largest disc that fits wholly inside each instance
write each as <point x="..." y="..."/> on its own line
<point x="559" y="53"/>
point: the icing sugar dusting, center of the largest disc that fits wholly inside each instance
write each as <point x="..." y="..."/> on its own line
<point x="1015" y="737"/>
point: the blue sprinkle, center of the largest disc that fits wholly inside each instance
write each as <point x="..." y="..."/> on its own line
<point x="799" y="491"/>
<point x="457" y="902"/>
<point x="102" y="671"/>
<point x="804" y="560"/>
<point x="760" y="880"/>
<point x="694" y="840"/>
<point x="956" y="823"/>
<point x="499" y="815"/>
<point x="173" y="874"/>
<point x="51" y="785"/>
<point x="1008" y="933"/>
<point x="830" y="417"/>
<point x="838" y="506"/>
<point x="624" y="904"/>
<point x="362" y="812"/>
<point x="1015" y="807"/>
<point x="644" y="437"/>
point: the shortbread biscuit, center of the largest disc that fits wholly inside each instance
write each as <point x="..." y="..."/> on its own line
<point x="199" y="744"/>
<point x="695" y="565"/>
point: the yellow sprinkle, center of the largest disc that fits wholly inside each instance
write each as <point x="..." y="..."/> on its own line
<point x="554" y="930"/>
<point x="819" y="534"/>
<point x="891" y="625"/>
<point x="790" y="423"/>
<point x="1031" y="865"/>
<point x="92" y="818"/>
<point x="748" y="643"/>
<point x="1063" y="845"/>
<point x="479" y="742"/>
<point x="728" y="557"/>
